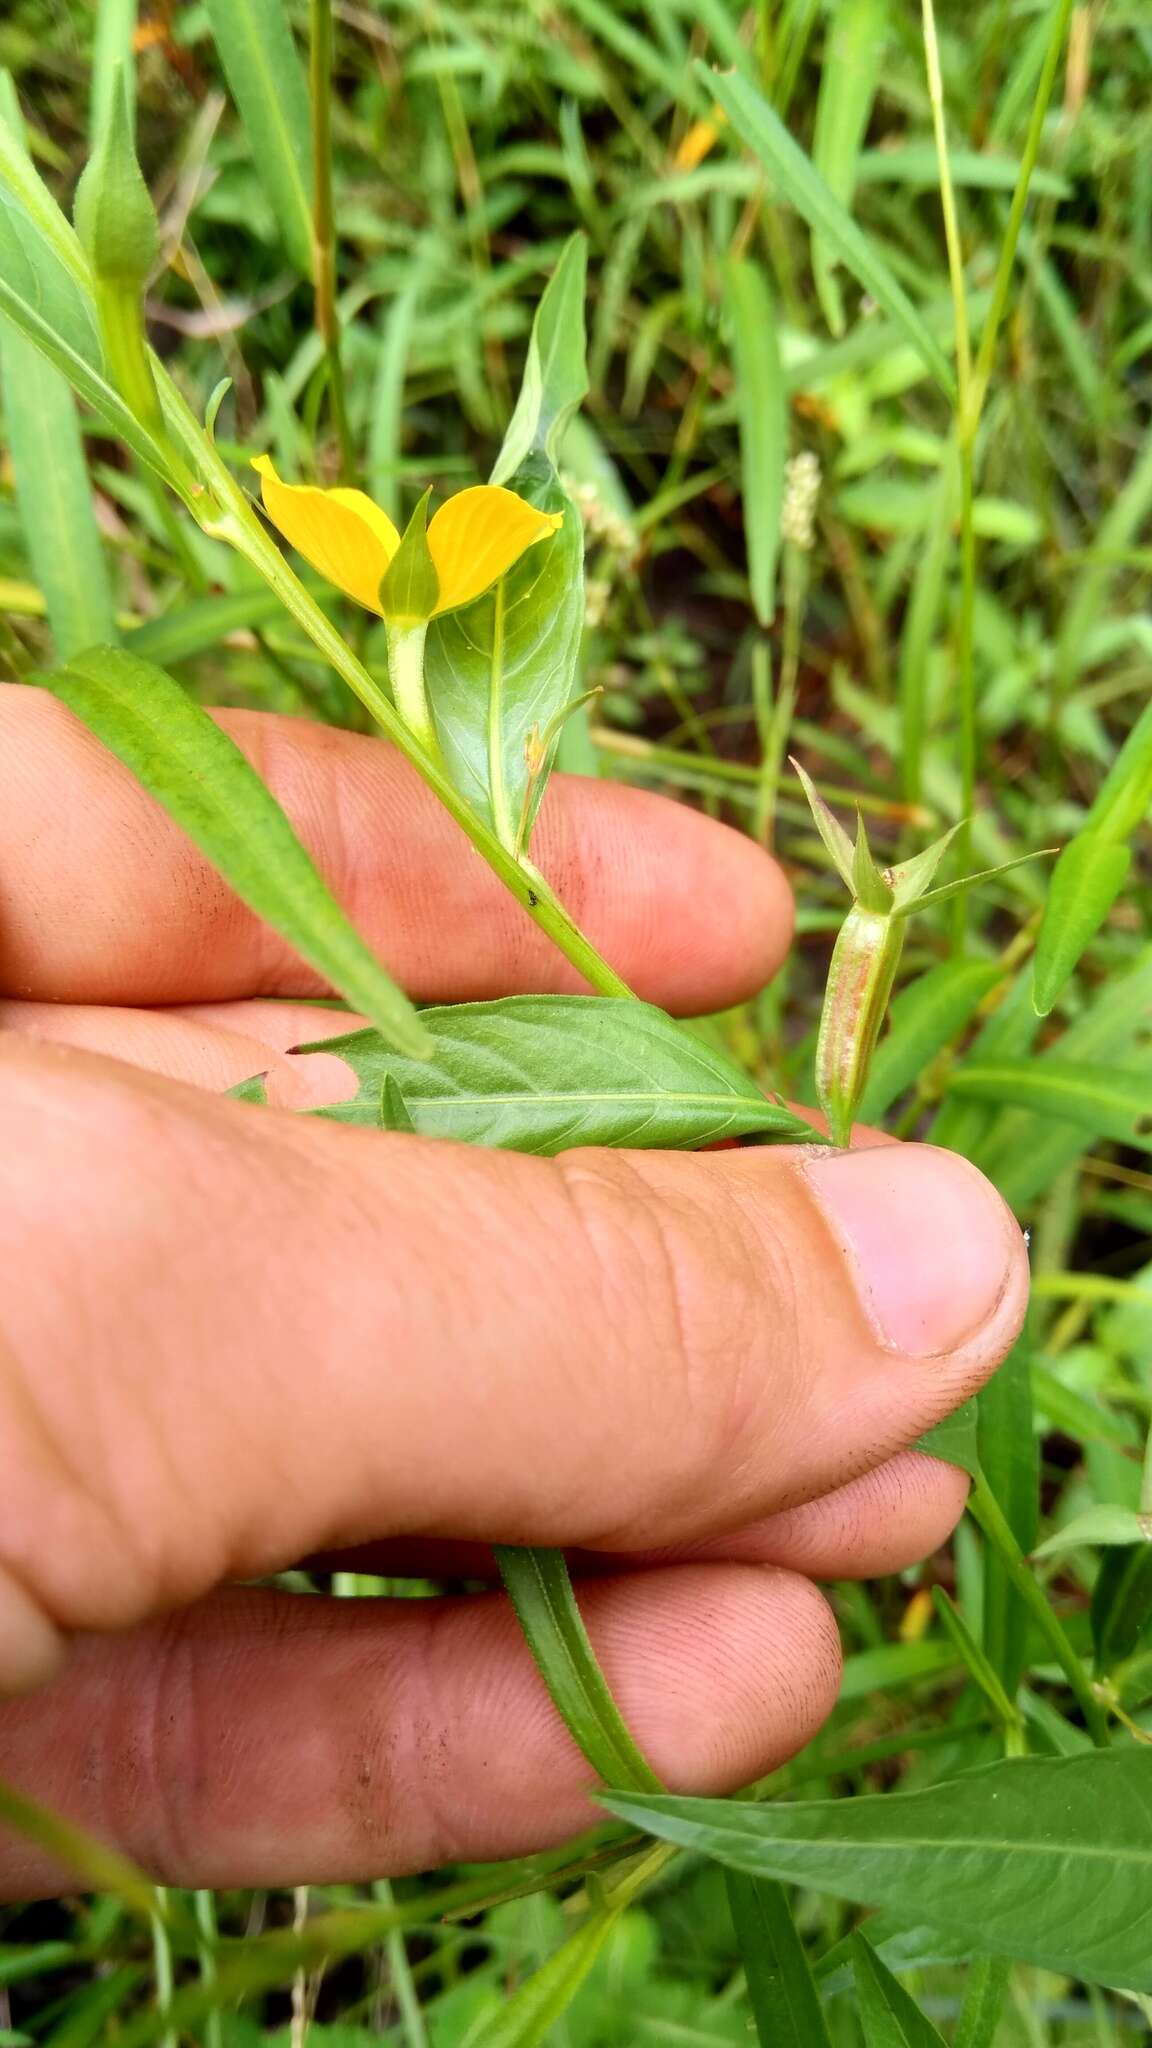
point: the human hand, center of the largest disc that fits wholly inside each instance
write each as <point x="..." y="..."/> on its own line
<point x="233" y="1338"/>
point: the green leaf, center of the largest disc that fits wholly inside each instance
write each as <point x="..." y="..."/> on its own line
<point x="926" y="1016"/>
<point x="53" y="488"/>
<point x="503" y="669"/>
<point x="1125" y="796"/>
<point x="889" y="2015"/>
<point x="979" y="1669"/>
<point x="954" y="1439"/>
<point x="781" y="1988"/>
<point x="30" y="269"/>
<point x="850" y="73"/>
<point x="538" y="1585"/>
<point x="542" y="1073"/>
<point x="555" y="377"/>
<point x="1086" y="881"/>
<point x="796" y="181"/>
<point x="527" y="2018"/>
<point x="1048" y="1859"/>
<point x="1111" y="1101"/>
<point x="267" y="83"/>
<point x="1099" y="1525"/>
<point x="984" y="1995"/>
<point x="1009" y="1460"/>
<point x="1121" y="1604"/>
<point x="762" y="415"/>
<point x="204" y="782"/>
<point x="98" y="1867"/>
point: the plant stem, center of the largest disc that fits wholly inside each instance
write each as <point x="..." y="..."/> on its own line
<point x="205" y="1909"/>
<point x="406" y="675"/>
<point x="162" y="1970"/>
<point x="323" y="227"/>
<point x="966" y="679"/>
<point x="985" y="1510"/>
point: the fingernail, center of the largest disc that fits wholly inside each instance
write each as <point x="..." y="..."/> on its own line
<point x="929" y="1243"/>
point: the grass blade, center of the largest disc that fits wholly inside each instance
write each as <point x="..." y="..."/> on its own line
<point x="266" y="81"/>
<point x="762" y="408"/>
<point x="781" y="1988"/>
<point x="200" y="776"/>
<point x="797" y="182"/>
<point x="848" y="84"/>
<point x="890" y="2015"/>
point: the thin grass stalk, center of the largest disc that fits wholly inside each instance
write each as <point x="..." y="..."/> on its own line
<point x="323" y="228"/>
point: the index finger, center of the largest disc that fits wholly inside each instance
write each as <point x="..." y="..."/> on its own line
<point x="106" y="901"/>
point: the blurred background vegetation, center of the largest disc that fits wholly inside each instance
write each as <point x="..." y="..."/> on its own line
<point x="469" y="141"/>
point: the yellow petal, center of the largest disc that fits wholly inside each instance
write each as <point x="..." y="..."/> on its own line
<point x="478" y="535"/>
<point x="342" y="533"/>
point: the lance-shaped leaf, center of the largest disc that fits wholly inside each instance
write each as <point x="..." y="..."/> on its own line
<point x="1047" y="1859"/>
<point x="1105" y="1524"/>
<point x="541" y="1073"/>
<point x="264" y="74"/>
<point x="1086" y="881"/>
<point x="890" y="2015"/>
<point x="189" y="764"/>
<point x="500" y="672"/>
<point x="555" y="377"/>
<point x="1115" y="1102"/>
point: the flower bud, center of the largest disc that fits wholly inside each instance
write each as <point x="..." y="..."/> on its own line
<point x="113" y="211"/>
<point x="864" y="962"/>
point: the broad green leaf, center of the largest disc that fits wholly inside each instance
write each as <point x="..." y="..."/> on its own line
<point x="189" y="764"/>
<point x="538" y="1585"/>
<point x="53" y="489"/>
<point x="1100" y="1525"/>
<point x="1048" y="1859"/>
<point x="954" y="1439"/>
<point x="853" y="51"/>
<point x="762" y="413"/>
<point x="555" y="377"/>
<point x="889" y="2015"/>
<point x="781" y="1988"/>
<point x="542" y="1073"/>
<point x="926" y="1017"/>
<point x="500" y="673"/>
<point x="23" y="186"/>
<point x="267" y="83"/>
<point x="1086" y="881"/>
<point x="1113" y="1102"/>
<point x="796" y="181"/>
<point x="1122" y="1603"/>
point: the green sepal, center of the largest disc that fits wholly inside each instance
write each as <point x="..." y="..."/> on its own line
<point x="830" y="829"/>
<point x="869" y="887"/>
<point x="113" y="211"/>
<point x="410" y="590"/>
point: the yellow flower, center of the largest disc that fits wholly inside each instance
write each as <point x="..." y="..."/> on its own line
<point x="474" y="539"/>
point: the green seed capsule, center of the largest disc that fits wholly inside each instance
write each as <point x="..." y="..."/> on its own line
<point x="864" y="963"/>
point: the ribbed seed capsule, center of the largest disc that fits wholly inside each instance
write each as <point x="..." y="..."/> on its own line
<point x="864" y="963"/>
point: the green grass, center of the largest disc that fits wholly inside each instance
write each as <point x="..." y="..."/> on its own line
<point x="967" y="637"/>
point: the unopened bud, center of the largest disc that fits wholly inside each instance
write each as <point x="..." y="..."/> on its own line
<point x="113" y="211"/>
<point x="864" y="963"/>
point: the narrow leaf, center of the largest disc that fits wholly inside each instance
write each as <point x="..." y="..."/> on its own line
<point x="1086" y="881"/>
<point x="266" y="81"/>
<point x="555" y="377"/>
<point x="540" y="1590"/>
<point x="926" y="1017"/>
<point x="781" y="1988"/>
<point x="849" y="76"/>
<point x="189" y="764"/>
<point x="984" y="1995"/>
<point x="1048" y="1859"/>
<point x="53" y="488"/>
<point x="1112" y="1101"/>
<point x="765" y="134"/>
<point x="98" y="1867"/>
<point x="1100" y="1525"/>
<point x="1122" y="1604"/>
<point x="528" y="2017"/>
<point x="1010" y="1463"/>
<point x="890" y="2016"/>
<point x="979" y="1669"/>
<point x="762" y="414"/>
<point x="542" y="1073"/>
<point x="1125" y="796"/>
